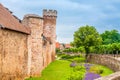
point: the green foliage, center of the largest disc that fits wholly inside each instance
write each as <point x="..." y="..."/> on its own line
<point x="81" y="49"/>
<point x="66" y="56"/>
<point x="102" y="70"/>
<point x="75" y="58"/>
<point x="57" y="70"/>
<point x="58" y="50"/>
<point x="89" y="38"/>
<point x="75" y="50"/>
<point x="110" y="37"/>
<point x="86" y="36"/>
<point x="109" y="49"/>
<point x="75" y="76"/>
<point x="96" y="70"/>
<point x="78" y="73"/>
<point x="92" y="49"/>
<point x="61" y="70"/>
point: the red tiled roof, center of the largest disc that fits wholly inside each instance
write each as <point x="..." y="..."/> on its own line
<point x="57" y="45"/>
<point x="8" y="21"/>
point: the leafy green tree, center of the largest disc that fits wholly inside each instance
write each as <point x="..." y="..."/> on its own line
<point x="109" y="48"/>
<point x="119" y="48"/>
<point x="110" y="37"/>
<point x="81" y="49"/>
<point x="115" y="47"/>
<point x="86" y="36"/>
<point x="92" y="49"/>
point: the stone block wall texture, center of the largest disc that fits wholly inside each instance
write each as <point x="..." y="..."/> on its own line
<point x="105" y="60"/>
<point x="40" y="45"/>
<point x="49" y="28"/>
<point x="114" y="76"/>
<point x="13" y="55"/>
<point x="23" y="55"/>
<point x="109" y="61"/>
<point x="35" y="55"/>
<point x="47" y="53"/>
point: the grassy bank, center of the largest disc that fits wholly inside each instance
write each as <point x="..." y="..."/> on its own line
<point x="66" y="69"/>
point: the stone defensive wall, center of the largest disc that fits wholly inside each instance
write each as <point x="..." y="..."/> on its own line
<point x="26" y="46"/>
<point x="109" y="61"/>
<point x="13" y="55"/>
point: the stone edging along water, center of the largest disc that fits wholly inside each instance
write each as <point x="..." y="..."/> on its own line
<point x="109" y="61"/>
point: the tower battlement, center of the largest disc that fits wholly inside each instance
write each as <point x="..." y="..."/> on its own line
<point x="50" y="13"/>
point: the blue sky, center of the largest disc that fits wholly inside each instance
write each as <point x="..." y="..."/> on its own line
<point x="103" y="14"/>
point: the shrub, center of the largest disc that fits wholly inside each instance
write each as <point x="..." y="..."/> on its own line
<point x="66" y="56"/>
<point x="75" y="76"/>
<point x="96" y="69"/>
<point x="73" y="64"/>
<point x="78" y="73"/>
<point x="79" y="68"/>
<point x="58" y="50"/>
<point x="74" y="50"/>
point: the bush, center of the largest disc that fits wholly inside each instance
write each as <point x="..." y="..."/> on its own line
<point x="96" y="69"/>
<point x="66" y="56"/>
<point x="78" y="60"/>
<point x="78" y="73"/>
<point x="58" y="50"/>
<point x="73" y="64"/>
<point x="60" y="54"/>
<point x="79" y="68"/>
<point x="74" y="50"/>
<point x="75" y="76"/>
<point x="75" y="58"/>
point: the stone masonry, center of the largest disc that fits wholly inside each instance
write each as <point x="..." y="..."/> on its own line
<point x="49" y="30"/>
<point x="109" y="61"/>
<point x="13" y="55"/>
<point x="106" y="60"/>
<point x="27" y="46"/>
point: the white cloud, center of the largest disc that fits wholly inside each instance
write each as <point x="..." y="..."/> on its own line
<point x="71" y="13"/>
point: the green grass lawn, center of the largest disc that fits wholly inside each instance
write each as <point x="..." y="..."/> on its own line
<point x="57" y="70"/>
<point x="106" y="71"/>
<point x="61" y="70"/>
<point x="102" y="70"/>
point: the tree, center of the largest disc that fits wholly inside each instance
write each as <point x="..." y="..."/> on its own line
<point x="86" y="36"/>
<point x="110" y="37"/>
<point x="116" y="47"/>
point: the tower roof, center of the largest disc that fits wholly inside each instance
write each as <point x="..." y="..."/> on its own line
<point x="9" y="21"/>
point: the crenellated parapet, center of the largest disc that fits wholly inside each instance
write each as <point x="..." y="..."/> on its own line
<point x="49" y="13"/>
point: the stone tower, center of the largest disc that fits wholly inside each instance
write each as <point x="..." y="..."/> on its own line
<point x="49" y="28"/>
<point x="35" y="57"/>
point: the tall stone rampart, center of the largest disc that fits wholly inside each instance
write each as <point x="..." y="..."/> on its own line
<point x="28" y="46"/>
<point x="49" y="28"/>
<point x="13" y="55"/>
<point x="35" y="55"/>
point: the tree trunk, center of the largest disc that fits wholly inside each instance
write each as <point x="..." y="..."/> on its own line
<point x="87" y="52"/>
<point x="117" y="53"/>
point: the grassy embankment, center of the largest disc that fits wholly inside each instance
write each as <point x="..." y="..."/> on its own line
<point x="62" y="70"/>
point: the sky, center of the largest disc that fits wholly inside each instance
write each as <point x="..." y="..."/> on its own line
<point x="72" y="14"/>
